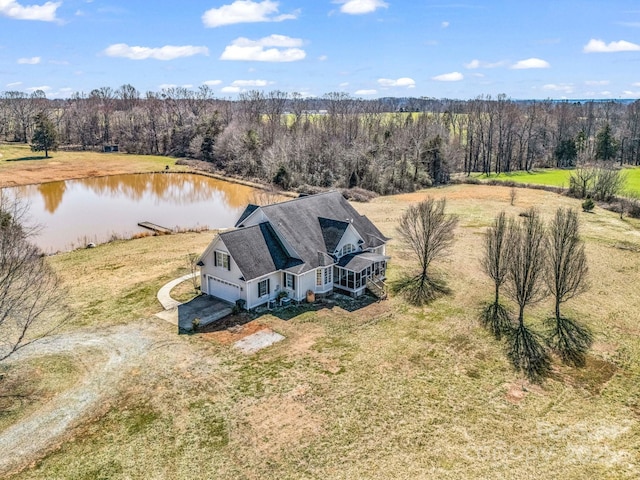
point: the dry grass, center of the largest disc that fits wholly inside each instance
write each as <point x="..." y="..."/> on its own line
<point x="388" y="391"/>
<point x="117" y="282"/>
<point x="28" y="385"/>
<point x="20" y="166"/>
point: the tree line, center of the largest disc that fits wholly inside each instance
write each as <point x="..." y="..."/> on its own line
<point x="383" y="145"/>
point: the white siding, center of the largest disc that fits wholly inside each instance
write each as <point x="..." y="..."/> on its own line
<point x="209" y="269"/>
<point x="253" y="300"/>
<point x="350" y="236"/>
<point x="306" y="282"/>
<point x="255" y="218"/>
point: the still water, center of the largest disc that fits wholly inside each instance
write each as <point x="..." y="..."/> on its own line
<point x="76" y="212"/>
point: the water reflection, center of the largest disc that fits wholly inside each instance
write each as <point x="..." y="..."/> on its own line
<point x="94" y="209"/>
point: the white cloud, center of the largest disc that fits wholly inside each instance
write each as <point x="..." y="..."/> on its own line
<point x="29" y="61"/>
<point x="168" y="52"/>
<point x="323" y="58"/>
<point x="344" y="84"/>
<point x="631" y="94"/>
<point x="595" y="83"/>
<point x="445" y="24"/>
<point x="400" y="82"/>
<point x="360" y="7"/>
<point x="212" y="83"/>
<point x="230" y="89"/>
<point x="45" y="12"/>
<point x="44" y="88"/>
<point x="249" y="83"/>
<point x="598" y="46"/>
<point x="58" y="62"/>
<point x="448" y="77"/>
<point x="530" y="63"/>
<point x="559" y="87"/>
<point x="13" y="84"/>
<point x="167" y="86"/>
<point x="636" y="84"/>
<point x="475" y="63"/>
<point x="245" y="11"/>
<point x="366" y="92"/>
<point x="274" y="48"/>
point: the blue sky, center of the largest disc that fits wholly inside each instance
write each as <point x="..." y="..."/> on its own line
<point x="367" y="48"/>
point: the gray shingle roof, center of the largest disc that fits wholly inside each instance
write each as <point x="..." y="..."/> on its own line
<point x="247" y="211"/>
<point x="332" y="232"/>
<point x="312" y="225"/>
<point x="257" y="251"/>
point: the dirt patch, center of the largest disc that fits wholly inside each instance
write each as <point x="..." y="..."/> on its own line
<point x="594" y="376"/>
<point x="518" y="391"/>
<point x="234" y="332"/>
<point x="281" y="421"/>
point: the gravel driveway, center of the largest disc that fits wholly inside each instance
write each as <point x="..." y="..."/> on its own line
<point x="120" y="348"/>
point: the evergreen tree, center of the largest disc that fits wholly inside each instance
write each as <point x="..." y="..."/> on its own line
<point x="45" y="137"/>
<point x="606" y="144"/>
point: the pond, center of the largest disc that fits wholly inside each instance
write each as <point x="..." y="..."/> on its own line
<point x="74" y="213"/>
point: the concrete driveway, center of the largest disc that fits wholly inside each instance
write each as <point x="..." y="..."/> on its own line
<point x="205" y="308"/>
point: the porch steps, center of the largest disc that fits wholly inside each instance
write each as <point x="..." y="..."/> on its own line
<point x="378" y="288"/>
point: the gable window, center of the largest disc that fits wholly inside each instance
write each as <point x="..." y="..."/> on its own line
<point x="319" y="277"/>
<point x="289" y="281"/>
<point x="221" y="259"/>
<point x="347" y="249"/>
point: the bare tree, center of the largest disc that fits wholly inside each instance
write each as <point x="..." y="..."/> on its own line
<point x="192" y="262"/>
<point x="566" y="277"/>
<point x="428" y="232"/>
<point x="525" y="286"/>
<point x="31" y="296"/>
<point x="496" y="263"/>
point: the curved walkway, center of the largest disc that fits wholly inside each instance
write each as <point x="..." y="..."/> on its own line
<point x="164" y="294"/>
<point x="204" y="308"/>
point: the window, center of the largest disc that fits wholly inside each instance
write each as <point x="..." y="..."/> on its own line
<point x="263" y="288"/>
<point x="328" y="275"/>
<point x="347" y="249"/>
<point x="324" y="276"/>
<point x="221" y="259"/>
<point x="289" y="281"/>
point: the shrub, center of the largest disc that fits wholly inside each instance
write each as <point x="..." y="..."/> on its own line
<point x="358" y="194"/>
<point x="195" y="323"/>
<point x="588" y="205"/>
<point x="634" y="209"/>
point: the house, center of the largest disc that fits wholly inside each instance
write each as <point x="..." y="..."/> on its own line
<point x="316" y="243"/>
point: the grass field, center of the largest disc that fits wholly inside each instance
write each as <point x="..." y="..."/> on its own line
<point x="560" y="178"/>
<point x="387" y="391"/>
<point x="20" y="166"/>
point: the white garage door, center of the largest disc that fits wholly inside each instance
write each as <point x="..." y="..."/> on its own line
<point x="222" y="289"/>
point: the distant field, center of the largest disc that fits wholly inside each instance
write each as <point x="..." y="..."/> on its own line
<point x="387" y="391"/>
<point x="560" y="178"/>
<point x="20" y="166"/>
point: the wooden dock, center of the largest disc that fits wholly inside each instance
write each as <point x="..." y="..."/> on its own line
<point x="156" y="228"/>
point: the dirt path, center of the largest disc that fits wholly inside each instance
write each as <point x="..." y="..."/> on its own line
<point x="120" y="348"/>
